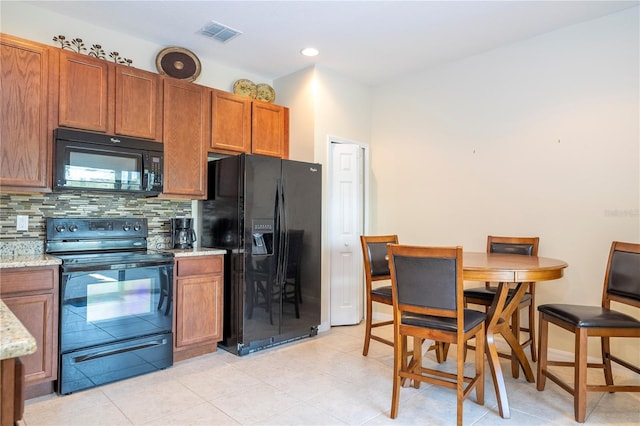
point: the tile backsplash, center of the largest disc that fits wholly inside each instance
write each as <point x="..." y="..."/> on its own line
<point x="157" y="211"/>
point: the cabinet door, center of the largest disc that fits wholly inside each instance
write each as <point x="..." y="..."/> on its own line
<point x="83" y="94"/>
<point x="138" y="105"/>
<point x="24" y="108"/>
<point x="230" y="122"/>
<point x="36" y="313"/>
<point x="199" y="302"/>
<point x="270" y="129"/>
<point x="185" y="135"/>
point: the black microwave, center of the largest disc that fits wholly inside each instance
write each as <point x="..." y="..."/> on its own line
<point x="99" y="162"/>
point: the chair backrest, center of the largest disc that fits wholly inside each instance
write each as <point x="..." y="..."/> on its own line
<point x="427" y="280"/>
<point x="527" y="246"/>
<point x="374" y="254"/>
<point x="622" y="279"/>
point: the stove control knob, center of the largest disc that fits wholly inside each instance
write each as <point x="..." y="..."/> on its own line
<point x="137" y="227"/>
<point x="126" y="227"/>
<point x="73" y="228"/>
<point x="60" y="228"/>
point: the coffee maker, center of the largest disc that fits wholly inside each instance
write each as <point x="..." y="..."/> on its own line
<point x="182" y="234"/>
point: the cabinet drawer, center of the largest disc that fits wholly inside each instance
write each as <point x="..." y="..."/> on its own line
<point x="199" y="265"/>
<point x="20" y="280"/>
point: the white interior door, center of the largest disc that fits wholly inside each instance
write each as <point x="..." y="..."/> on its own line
<point x="346" y="224"/>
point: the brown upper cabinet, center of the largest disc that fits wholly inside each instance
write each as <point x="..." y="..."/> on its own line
<point x="269" y="129"/>
<point x="185" y="136"/>
<point x="26" y="126"/>
<point x="101" y="96"/>
<point x="242" y="125"/>
<point x="138" y="103"/>
<point x="84" y="92"/>
<point x="230" y="122"/>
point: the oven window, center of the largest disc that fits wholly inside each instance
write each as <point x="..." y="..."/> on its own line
<point x="109" y="298"/>
<point x="93" y="170"/>
<point x="106" y="306"/>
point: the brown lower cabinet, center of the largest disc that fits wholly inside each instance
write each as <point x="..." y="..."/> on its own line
<point x="198" y="305"/>
<point x="32" y="295"/>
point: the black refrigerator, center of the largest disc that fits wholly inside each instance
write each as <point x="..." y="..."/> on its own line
<point x="265" y="212"/>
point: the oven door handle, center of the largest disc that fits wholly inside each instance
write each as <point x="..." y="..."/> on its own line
<point x="97" y="355"/>
<point x="106" y="266"/>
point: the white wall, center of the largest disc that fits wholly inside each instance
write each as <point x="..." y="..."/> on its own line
<point x="537" y="138"/>
<point x="40" y="25"/>
<point x="333" y="106"/>
<point x="297" y="92"/>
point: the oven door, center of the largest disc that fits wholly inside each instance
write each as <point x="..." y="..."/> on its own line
<point x="105" y="306"/>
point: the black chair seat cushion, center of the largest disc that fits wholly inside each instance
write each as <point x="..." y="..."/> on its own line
<point x="589" y="316"/>
<point x="471" y="319"/>
<point x="382" y="291"/>
<point x="484" y="293"/>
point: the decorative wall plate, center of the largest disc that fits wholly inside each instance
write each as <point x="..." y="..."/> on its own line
<point x="178" y="62"/>
<point x="265" y="93"/>
<point x="244" y="87"/>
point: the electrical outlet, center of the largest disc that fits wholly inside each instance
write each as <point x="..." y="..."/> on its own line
<point x="22" y="222"/>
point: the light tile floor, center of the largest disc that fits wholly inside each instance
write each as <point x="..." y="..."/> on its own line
<point x="323" y="380"/>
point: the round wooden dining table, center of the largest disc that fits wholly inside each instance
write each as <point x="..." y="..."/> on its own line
<point x="508" y="270"/>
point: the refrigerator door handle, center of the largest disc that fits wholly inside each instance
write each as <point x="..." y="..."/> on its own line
<point x="285" y="235"/>
<point x="279" y="234"/>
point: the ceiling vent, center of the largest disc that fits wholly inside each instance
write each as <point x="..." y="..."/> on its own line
<point x="217" y="31"/>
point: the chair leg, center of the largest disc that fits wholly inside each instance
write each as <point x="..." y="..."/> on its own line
<point x="441" y="349"/>
<point x="416" y="361"/>
<point x="515" y="327"/>
<point x="445" y="350"/>
<point x="459" y="382"/>
<point x="532" y="329"/>
<point x="580" y="382"/>
<point x="480" y="348"/>
<point x="367" y="329"/>
<point x="542" y="354"/>
<point x="399" y="362"/>
<point x="606" y="360"/>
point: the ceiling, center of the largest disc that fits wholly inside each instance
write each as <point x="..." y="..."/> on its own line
<point x="370" y="41"/>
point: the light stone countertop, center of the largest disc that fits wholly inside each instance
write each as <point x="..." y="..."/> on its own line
<point x="15" y="339"/>
<point x="25" y="261"/>
<point x="196" y="251"/>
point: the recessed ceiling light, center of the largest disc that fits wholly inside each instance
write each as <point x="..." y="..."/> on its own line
<point x="309" y="51"/>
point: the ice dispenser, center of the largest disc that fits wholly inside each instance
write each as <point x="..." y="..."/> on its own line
<point x="262" y="237"/>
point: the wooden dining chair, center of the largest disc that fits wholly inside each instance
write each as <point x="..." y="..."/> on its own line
<point x="427" y="291"/>
<point x="621" y="285"/>
<point x="376" y="269"/>
<point x="484" y="296"/>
